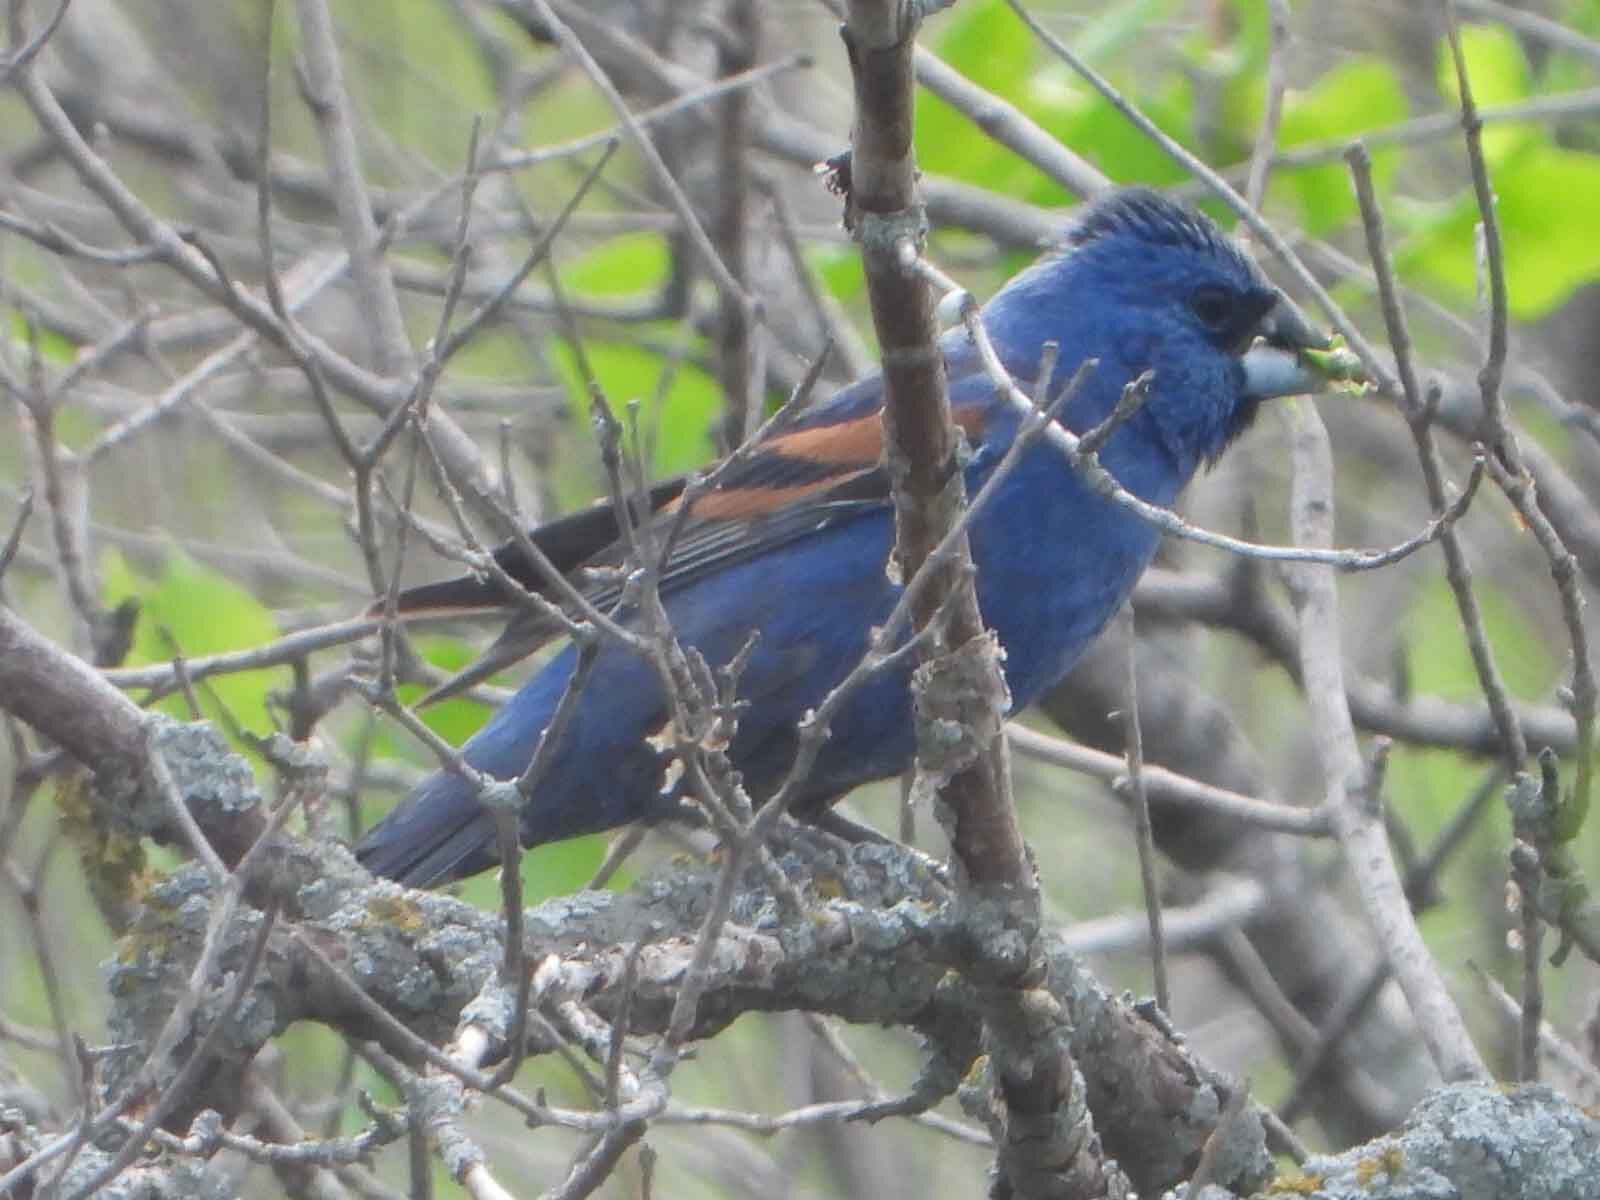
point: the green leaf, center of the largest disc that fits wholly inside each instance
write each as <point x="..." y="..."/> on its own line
<point x="416" y="106"/>
<point x="1360" y="95"/>
<point x="206" y="613"/>
<point x="54" y="347"/>
<point x="1434" y="782"/>
<point x="1238" y="68"/>
<point x="1091" y="126"/>
<point x="1440" y="662"/>
<point x="634" y="262"/>
<point x="494" y="352"/>
<point x="557" y="869"/>
<point x="456" y="719"/>
<point x="985" y="42"/>
<point x="1567" y="72"/>
<point x="1498" y="72"/>
<point x="947" y="144"/>
<point x="951" y="146"/>
<point x="1550" y="247"/>
<point x="678" y="426"/>
<point x="1496" y="66"/>
<point x="553" y="870"/>
<point x="839" y="268"/>
<point x="1117" y="28"/>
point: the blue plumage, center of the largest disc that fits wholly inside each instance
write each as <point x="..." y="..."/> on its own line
<point x="793" y="541"/>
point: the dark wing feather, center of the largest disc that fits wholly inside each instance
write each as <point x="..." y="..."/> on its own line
<point x="818" y="472"/>
<point x="706" y="546"/>
<point x="568" y="542"/>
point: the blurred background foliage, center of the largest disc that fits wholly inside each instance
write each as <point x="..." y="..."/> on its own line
<point x="223" y="554"/>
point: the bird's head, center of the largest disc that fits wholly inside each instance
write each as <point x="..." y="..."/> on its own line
<point x="1145" y="283"/>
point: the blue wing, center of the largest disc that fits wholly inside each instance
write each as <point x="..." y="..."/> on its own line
<point x="819" y="470"/>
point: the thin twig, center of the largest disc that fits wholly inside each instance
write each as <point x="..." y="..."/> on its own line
<point x="1415" y="408"/>
<point x="1144" y="838"/>
<point x="1104" y="484"/>
<point x="1169" y="786"/>
<point x="29" y="50"/>
<point x="1255" y="188"/>
<point x="14" y="538"/>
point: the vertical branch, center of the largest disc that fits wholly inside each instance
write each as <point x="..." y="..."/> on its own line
<point x="1496" y="433"/>
<point x="1543" y="823"/>
<point x="1418" y="413"/>
<point x="330" y="105"/>
<point x="705" y="251"/>
<point x="1255" y="188"/>
<point x="64" y="486"/>
<point x="920" y="440"/>
<point x="741" y="391"/>
<point x="1045" y="1136"/>
<point x="1133" y="743"/>
<point x="1359" y="829"/>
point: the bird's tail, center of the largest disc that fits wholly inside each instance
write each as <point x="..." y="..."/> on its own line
<point x="601" y="774"/>
<point x="438" y="833"/>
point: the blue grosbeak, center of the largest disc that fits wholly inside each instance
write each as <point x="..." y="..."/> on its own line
<point x="792" y="540"/>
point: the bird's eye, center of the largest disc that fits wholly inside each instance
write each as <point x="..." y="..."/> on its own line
<point x="1214" y="306"/>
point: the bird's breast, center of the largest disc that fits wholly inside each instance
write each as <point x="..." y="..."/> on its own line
<point x="1055" y="562"/>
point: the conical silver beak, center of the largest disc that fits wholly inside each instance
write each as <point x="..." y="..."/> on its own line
<point x="1273" y="365"/>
